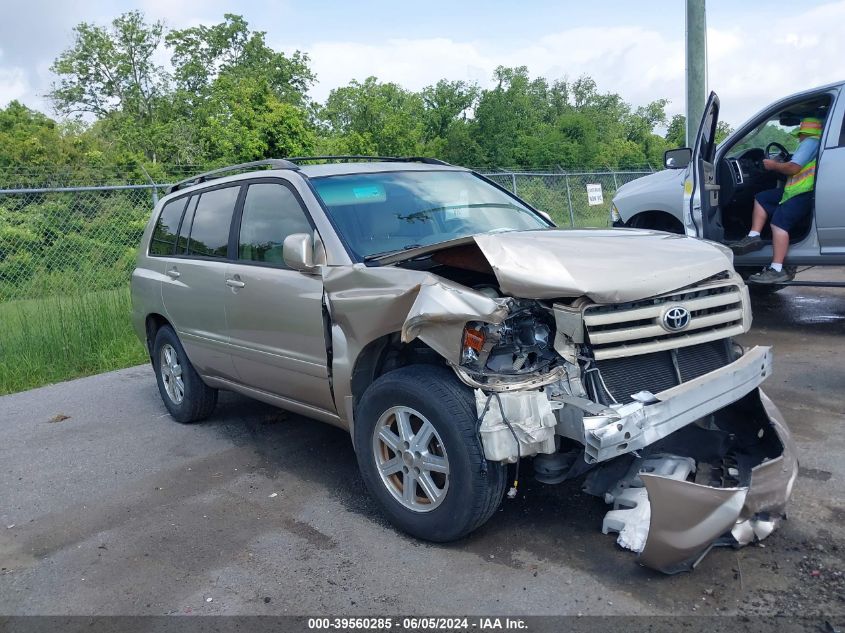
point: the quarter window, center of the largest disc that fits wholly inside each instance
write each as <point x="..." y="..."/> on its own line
<point x="271" y="212"/>
<point x="164" y="234"/>
<point x="182" y="242"/>
<point x="210" y="228"/>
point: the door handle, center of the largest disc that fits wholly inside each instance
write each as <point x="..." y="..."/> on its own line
<point x="173" y="273"/>
<point x="235" y="283"/>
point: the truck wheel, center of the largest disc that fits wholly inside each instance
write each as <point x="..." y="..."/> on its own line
<point x="416" y="439"/>
<point x="186" y="396"/>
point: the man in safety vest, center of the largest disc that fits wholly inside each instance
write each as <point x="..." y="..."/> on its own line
<point x="784" y="207"/>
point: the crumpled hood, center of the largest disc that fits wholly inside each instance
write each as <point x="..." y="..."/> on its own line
<point x="607" y="265"/>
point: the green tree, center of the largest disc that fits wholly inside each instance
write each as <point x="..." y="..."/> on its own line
<point x="376" y="118"/>
<point x="244" y="120"/>
<point x="28" y="138"/>
<point x="111" y="70"/>
<point x="202" y="54"/>
<point x="231" y="97"/>
<point x="447" y="102"/>
<point x="237" y="98"/>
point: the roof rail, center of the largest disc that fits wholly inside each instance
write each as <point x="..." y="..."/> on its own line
<point x="275" y="163"/>
<point x="390" y="159"/>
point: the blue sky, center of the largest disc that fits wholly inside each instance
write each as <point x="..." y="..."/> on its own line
<point x="758" y="51"/>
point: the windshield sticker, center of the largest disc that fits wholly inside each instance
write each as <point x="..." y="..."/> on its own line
<point x="369" y="193"/>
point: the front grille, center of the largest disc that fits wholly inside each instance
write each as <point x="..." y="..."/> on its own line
<point x="657" y="371"/>
<point x="717" y="311"/>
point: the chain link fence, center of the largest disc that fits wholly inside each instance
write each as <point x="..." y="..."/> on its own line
<point x="565" y="196"/>
<point x="70" y="240"/>
<point x="65" y="241"/>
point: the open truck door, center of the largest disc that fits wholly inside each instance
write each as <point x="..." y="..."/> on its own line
<point x="702" y="216"/>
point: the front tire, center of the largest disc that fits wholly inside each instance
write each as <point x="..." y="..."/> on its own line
<point x="186" y="396"/>
<point x="417" y="444"/>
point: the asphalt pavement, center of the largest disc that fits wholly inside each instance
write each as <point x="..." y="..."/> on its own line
<point x="107" y="506"/>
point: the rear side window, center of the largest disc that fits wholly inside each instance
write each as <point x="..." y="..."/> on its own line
<point x="209" y="235"/>
<point x="163" y="241"/>
<point x="182" y="242"/>
<point x="271" y="212"/>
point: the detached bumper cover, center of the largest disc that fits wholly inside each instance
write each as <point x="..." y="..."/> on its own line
<point x="637" y="425"/>
<point x="688" y="518"/>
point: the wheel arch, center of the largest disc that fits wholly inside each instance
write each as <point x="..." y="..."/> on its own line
<point x="152" y="324"/>
<point x="384" y="354"/>
<point x="656" y="219"/>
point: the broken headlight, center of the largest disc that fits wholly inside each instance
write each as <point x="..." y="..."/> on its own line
<point x="521" y="344"/>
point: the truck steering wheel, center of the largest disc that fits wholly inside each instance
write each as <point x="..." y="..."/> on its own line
<point x="781" y="154"/>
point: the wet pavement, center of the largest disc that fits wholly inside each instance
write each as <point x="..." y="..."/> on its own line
<point x="118" y="510"/>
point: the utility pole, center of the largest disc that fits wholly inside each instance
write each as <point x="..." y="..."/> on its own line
<point x="696" y="66"/>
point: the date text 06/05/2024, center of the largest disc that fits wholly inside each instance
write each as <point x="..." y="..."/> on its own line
<point x="423" y="623"/>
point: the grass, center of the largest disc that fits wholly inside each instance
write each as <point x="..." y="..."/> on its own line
<point x="54" y="339"/>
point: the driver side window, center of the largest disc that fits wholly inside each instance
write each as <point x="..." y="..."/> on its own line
<point x="771" y="132"/>
<point x="271" y="212"/>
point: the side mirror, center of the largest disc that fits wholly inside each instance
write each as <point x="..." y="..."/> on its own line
<point x="677" y="158"/>
<point x="298" y="252"/>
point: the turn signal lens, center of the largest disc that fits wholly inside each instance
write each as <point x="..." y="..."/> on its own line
<point x="473" y="339"/>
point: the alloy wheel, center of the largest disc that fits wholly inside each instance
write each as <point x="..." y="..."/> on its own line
<point x="171" y="373"/>
<point x="411" y="459"/>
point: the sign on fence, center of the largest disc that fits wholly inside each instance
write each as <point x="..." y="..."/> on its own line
<point x="594" y="195"/>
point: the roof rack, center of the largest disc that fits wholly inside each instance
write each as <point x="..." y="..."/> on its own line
<point x="275" y="163"/>
<point x="389" y="159"/>
<point x="293" y="163"/>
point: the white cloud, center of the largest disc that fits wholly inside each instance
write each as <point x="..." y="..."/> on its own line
<point x="749" y="66"/>
<point x="638" y="63"/>
<point x="13" y="83"/>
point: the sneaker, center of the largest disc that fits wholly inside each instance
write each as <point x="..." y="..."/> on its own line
<point x="747" y="244"/>
<point x="770" y="276"/>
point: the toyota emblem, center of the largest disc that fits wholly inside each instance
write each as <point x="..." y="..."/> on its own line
<point x="676" y="319"/>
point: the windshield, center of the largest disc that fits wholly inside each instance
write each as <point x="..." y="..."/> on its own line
<point x="382" y="213"/>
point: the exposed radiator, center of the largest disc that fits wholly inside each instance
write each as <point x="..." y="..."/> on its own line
<point x="658" y="371"/>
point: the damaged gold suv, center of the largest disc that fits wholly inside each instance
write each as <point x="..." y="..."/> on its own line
<point x="455" y="331"/>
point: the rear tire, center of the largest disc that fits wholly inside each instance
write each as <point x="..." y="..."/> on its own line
<point x="439" y="416"/>
<point x="186" y="396"/>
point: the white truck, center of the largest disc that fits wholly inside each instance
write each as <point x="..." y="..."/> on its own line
<point x="708" y="191"/>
